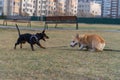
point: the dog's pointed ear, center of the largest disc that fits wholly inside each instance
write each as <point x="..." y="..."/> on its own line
<point x="43" y="31"/>
<point x="77" y="35"/>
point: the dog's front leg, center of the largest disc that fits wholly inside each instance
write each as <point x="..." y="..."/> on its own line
<point x="16" y="45"/>
<point x="81" y="47"/>
<point x="20" y="45"/>
<point x="40" y="45"/>
<point x="32" y="47"/>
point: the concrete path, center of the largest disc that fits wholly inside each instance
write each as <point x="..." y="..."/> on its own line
<point x="30" y="28"/>
<point x="23" y="28"/>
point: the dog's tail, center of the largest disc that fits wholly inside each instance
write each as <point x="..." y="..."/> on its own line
<point x="18" y="29"/>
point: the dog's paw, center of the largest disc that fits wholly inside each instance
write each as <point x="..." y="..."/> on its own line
<point x="44" y="48"/>
<point x="33" y="50"/>
<point x="14" y="48"/>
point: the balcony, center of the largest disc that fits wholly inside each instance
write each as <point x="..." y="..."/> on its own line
<point x="44" y="0"/>
<point x="1" y="5"/>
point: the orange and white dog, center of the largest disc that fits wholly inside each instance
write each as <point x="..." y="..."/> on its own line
<point x="92" y="42"/>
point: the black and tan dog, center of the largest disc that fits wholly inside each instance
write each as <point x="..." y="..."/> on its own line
<point x="31" y="39"/>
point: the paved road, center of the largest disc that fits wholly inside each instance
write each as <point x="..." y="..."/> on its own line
<point x="30" y="28"/>
<point x="24" y="28"/>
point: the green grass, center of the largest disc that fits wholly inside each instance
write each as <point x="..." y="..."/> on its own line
<point x="59" y="61"/>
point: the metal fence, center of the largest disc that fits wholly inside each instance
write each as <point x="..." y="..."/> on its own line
<point x="99" y="20"/>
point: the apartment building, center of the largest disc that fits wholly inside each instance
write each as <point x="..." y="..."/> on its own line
<point x="16" y="7"/>
<point x="51" y="7"/>
<point x="66" y="7"/>
<point x="74" y="4"/>
<point x="42" y="7"/>
<point x="111" y="8"/>
<point x="71" y="7"/>
<point x="89" y="9"/>
<point x="98" y="1"/>
<point x="1" y="7"/>
<point x="118" y="8"/>
<point x="60" y="8"/>
<point x="8" y="7"/>
<point x="114" y="8"/>
<point x="27" y="7"/>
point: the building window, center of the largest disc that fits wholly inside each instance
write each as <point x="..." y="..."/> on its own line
<point x="1" y="3"/>
<point x="23" y="9"/>
<point x="31" y="10"/>
<point x="14" y="3"/>
<point x="24" y="5"/>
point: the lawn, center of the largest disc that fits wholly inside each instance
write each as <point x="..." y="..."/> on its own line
<point x="59" y="61"/>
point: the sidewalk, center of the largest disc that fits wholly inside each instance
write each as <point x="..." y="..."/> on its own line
<point x="38" y="29"/>
<point x="22" y="28"/>
<point x="32" y="28"/>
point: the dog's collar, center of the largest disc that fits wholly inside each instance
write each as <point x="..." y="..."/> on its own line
<point x="34" y="36"/>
